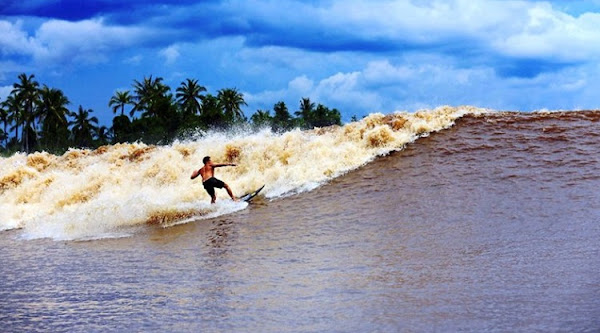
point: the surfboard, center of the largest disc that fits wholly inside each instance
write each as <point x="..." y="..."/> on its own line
<point x="248" y="196"/>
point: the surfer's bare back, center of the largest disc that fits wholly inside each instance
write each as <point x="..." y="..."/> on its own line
<point x="208" y="178"/>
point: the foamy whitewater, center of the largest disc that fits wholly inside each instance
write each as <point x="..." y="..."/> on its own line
<point x="113" y="190"/>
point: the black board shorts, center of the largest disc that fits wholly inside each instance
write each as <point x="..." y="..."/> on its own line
<point x="211" y="183"/>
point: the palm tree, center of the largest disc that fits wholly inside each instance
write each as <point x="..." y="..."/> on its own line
<point x="261" y="119"/>
<point x="305" y="114"/>
<point x="53" y="115"/>
<point x="13" y="107"/>
<point x="82" y="127"/>
<point x="212" y="112"/>
<point x="4" y="119"/>
<point x="119" y="100"/>
<point x="102" y="135"/>
<point x="282" y="120"/>
<point x="323" y="116"/>
<point x="3" y="137"/>
<point x="188" y="94"/>
<point x="232" y="100"/>
<point x="27" y="93"/>
<point x="148" y="95"/>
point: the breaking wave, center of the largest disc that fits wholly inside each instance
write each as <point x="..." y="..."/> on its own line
<point x="114" y="190"/>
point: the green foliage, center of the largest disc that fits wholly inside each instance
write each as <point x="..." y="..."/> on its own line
<point x="189" y="97"/>
<point x="321" y="116"/>
<point x="83" y="128"/>
<point x="120" y="100"/>
<point x="231" y="101"/>
<point x="3" y="138"/>
<point x="4" y="120"/>
<point x="282" y="120"/>
<point x="26" y="93"/>
<point x="261" y="119"/>
<point x="122" y="129"/>
<point x="212" y="112"/>
<point x="39" y="119"/>
<point x="53" y="113"/>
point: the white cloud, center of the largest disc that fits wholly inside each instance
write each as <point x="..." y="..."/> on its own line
<point x="134" y="60"/>
<point x="4" y="92"/>
<point x="15" y="41"/>
<point x="532" y="29"/>
<point x="58" y="41"/>
<point x="382" y="72"/>
<point x="10" y="67"/>
<point x="549" y="34"/>
<point x="385" y="87"/>
<point x="87" y="41"/>
<point x="301" y="85"/>
<point x="436" y="52"/>
<point x="297" y="88"/>
<point x="170" y="54"/>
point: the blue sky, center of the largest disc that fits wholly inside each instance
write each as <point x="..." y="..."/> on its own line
<point x="359" y="56"/>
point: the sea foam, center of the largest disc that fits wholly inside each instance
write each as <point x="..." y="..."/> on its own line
<point x="111" y="191"/>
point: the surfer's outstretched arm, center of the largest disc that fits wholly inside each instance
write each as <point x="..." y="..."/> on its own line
<point x="217" y="165"/>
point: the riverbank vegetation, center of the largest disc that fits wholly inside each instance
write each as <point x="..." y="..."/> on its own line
<point x="35" y="117"/>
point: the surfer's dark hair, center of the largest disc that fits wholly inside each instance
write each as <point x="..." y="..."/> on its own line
<point x="205" y="159"/>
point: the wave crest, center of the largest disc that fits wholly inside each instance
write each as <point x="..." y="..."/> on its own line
<point x="87" y="194"/>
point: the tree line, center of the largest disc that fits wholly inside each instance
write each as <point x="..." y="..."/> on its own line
<point x="36" y="118"/>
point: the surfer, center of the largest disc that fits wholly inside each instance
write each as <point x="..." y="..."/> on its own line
<point x="208" y="178"/>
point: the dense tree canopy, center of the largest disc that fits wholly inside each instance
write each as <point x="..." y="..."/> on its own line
<point x="34" y="118"/>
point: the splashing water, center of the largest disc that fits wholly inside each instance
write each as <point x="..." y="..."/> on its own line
<point x="113" y="190"/>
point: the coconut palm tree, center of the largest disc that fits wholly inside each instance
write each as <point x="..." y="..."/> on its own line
<point x="305" y="114"/>
<point x="4" y="120"/>
<point x="13" y="107"/>
<point x="231" y="101"/>
<point x="83" y="127"/>
<point x="3" y="137"/>
<point x="261" y="119"/>
<point x="102" y="135"/>
<point x="282" y="120"/>
<point x="188" y="96"/>
<point x="119" y="100"/>
<point x="53" y="115"/>
<point x="212" y="111"/>
<point x="149" y="95"/>
<point x="27" y="93"/>
<point x="323" y="116"/>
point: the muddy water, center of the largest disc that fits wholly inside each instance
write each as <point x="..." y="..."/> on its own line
<point x="491" y="225"/>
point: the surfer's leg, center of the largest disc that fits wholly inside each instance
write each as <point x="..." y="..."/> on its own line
<point x="211" y="192"/>
<point x="229" y="192"/>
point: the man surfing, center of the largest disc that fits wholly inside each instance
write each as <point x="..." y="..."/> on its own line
<point x="208" y="178"/>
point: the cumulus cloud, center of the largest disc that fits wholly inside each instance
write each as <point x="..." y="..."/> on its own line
<point x="5" y="91"/>
<point x="519" y="29"/>
<point x="301" y="85"/>
<point x="15" y="41"/>
<point x="509" y="29"/>
<point x="355" y="55"/>
<point x="58" y="41"/>
<point x="170" y="54"/>
<point x="500" y="31"/>
<point x="87" y="40"/>
<point x="383" y="86"/>
<point x="546" y="33"/>
<point x="381" y="72"/>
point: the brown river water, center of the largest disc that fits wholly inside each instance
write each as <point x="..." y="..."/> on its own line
<point x="443" y="221"/>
